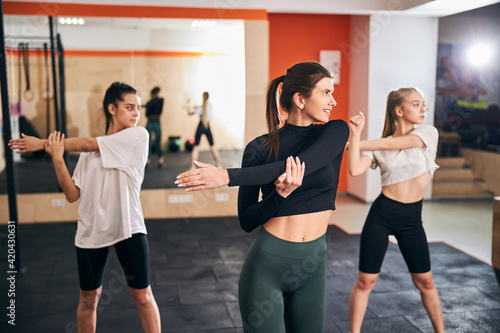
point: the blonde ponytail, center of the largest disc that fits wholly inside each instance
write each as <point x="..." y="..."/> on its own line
<point x="394" y="99"/>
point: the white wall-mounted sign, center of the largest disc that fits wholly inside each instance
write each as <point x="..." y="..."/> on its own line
<point x="331" y="61"/>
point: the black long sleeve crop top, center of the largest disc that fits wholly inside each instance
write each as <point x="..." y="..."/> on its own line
<point x="154" y="107"/>
<point x="319" y="146"/>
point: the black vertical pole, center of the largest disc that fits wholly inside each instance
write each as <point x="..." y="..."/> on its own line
<point x="47" y="89"/>
<point x="54" y="73"/>
<point x="62" y="87"/>
<point x="14" y="259"/>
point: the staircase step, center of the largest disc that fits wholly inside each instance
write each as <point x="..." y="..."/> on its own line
<point x="444" y="188"/>
<point x="453" y="196"/>
<point x="481" y="196"/>
<point x="453" y="174"/>
<point x="450" y="162"/>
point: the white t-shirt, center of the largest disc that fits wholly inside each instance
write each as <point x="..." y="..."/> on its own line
<point x="110" y="183"/>
<point x="199" y="110"/>
<point x="396" y="166"/>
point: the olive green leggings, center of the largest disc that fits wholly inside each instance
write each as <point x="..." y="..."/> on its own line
<point x="283" y="281"/>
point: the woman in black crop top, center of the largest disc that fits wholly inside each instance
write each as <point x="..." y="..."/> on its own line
<point x="406" y="157"/>
<point x="284" y="275"/>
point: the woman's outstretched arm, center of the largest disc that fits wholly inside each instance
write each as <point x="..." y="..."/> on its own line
<point x="395" y="143"/>
<point x="27" y="144"/>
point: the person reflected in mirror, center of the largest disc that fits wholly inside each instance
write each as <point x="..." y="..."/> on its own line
<point x="406" y="156"/>
<point x="295" y="209"/>
<point x="204" y="111"/>
<point x="154" y="109"/>
<point x="109" y="173"/>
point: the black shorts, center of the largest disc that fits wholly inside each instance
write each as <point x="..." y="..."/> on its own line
<point x="203" y="130"/>
<point x="133" y="254"/>
<point x="404" y="221"/>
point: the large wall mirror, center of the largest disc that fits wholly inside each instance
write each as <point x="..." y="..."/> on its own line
<point x="184" y="57"/>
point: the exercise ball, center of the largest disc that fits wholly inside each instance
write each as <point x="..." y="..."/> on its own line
<point x="189" y="144"/>
<point x="174" y="143"/>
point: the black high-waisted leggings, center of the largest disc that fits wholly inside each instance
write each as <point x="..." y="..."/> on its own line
<point x="404" y="221"/>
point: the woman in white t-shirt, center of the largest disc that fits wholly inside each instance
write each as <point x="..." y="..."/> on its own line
<point x="406" y="157"/>
<point x="107" y="180"/>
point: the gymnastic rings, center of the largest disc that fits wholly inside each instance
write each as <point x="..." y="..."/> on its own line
<point x="28" y="95"/>
<point x="46" y="95"/>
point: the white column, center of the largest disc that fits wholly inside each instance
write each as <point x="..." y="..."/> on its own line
<point x="401" y="52"/>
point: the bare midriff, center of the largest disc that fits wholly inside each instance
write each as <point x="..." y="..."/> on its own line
<point x="299" y="228"/>
<point x="411" y="190"/>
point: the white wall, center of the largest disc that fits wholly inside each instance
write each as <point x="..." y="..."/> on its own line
<point x="358" y="97"/>
<point x="402" y="53"/>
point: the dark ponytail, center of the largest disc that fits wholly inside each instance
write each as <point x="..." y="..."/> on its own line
<point x="300" y="78"/>
<point x="154" y="92"/>
<point x="273" y="115"/>
<point x="113" y="95"/>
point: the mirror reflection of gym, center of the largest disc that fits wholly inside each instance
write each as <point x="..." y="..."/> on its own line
<point x="184" y="57"/>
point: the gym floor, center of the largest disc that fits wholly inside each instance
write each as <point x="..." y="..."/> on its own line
<point x="195" y="265"/>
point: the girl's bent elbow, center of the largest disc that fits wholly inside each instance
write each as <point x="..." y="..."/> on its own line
<point x="355" y="173"/>
<point x="72" y="199"/>
<point x="246" y="228"/>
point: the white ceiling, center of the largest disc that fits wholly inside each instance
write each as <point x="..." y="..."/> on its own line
<point x="435" y="8"/>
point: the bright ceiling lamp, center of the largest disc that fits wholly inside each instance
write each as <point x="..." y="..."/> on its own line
<point x="479" y="54"/>
<point x="74" y="20"/>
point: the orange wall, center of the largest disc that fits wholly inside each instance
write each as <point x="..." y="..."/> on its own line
<point x="299" y="37"/>
<point x="68" y="9"/>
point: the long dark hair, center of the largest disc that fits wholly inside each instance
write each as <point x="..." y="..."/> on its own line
<point x="394" y="99"/>
<point x="113" y="95"/>
<point x="300" y="78"/>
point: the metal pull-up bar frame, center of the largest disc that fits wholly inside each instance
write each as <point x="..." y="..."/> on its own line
<point x="60" y="117"/>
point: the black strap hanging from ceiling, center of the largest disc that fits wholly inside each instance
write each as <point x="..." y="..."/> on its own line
<point x="54" y="74"/>
<point x="19" y="76"/>
<point x="62" y="84"/>
<point x="26" y="64"/>
<point x="23" y="63"/>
